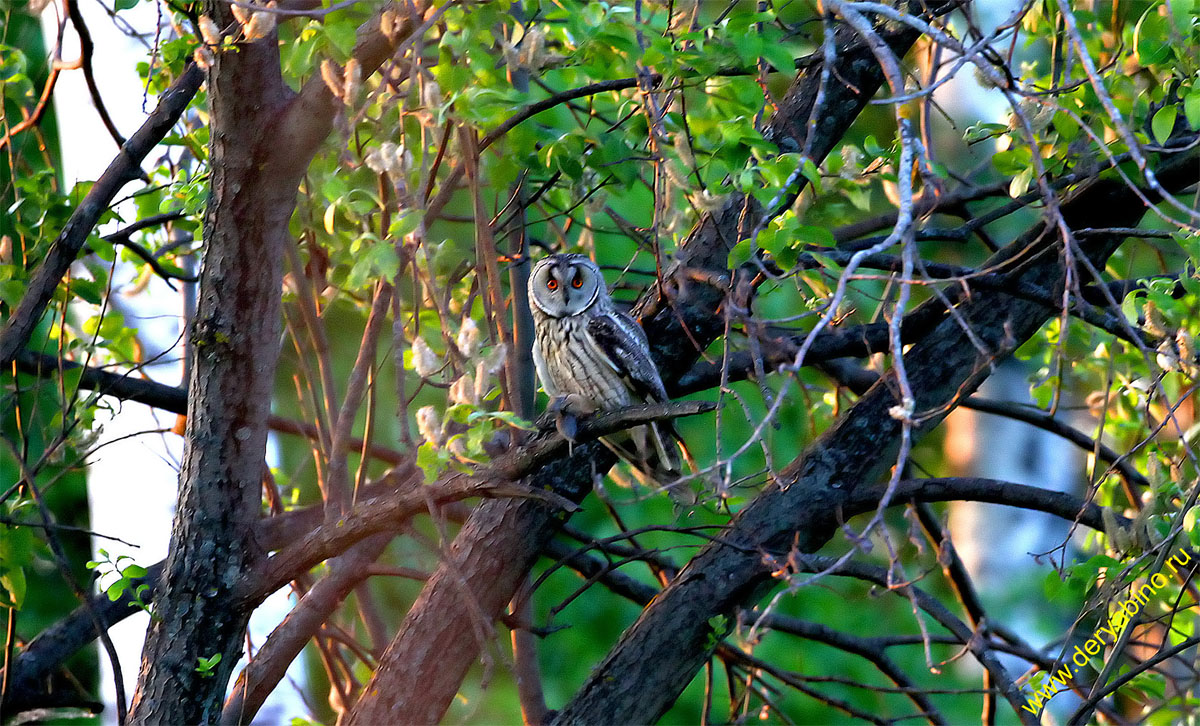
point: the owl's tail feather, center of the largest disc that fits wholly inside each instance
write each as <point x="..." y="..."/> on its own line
<point x="656" y="453"/>
<point x="673" y="450"/>
<point x="683" y="449"/>
<point x="666" y="457"/>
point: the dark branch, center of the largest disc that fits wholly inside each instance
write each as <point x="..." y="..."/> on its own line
<point x="424" y="666"/>
<point x="123" y="169"/>
<point x="549" y="444"/>
<point x="802" y="511"/>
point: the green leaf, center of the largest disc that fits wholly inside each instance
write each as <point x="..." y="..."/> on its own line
<point x="117" y="589"/>
<point x="1182" y="12"/>
<point x="11" y="292"/>
<point x="740" y="254"/>
<point x="812" y="174"/>
<point x="872" y="147"/>
<point x="1042" y="394"/>
<point x="88" y="290"/>
<point x="818" y="236"/>
<point x="120" y="5"/>
<point x="1052" y="584"/>
<point x="1152" y="38"/>
<point x="983" y="131"/>
<point x="1065" y="126"/>
<point x="1012" y="161"/>
<point x="512" y="419"/>
<point x="749" y="47"/>
<point x="13" y="583"/>
<point x="429" y="460"/>
<point x="779" y="57"/>
<point x="378" y="261"/>
<point x="1020" y="183"/>
<point x="1191" y="108"/>
<point x="405" y="222"/>
<point x="205" y="666"/>
<point x="1163" y="122"/>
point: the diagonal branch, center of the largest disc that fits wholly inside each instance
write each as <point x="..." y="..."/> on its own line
<point x="123" y="169"/>
<point x="424" y="665"/>
<point x="86" y="51"/>
<point x="802" y="508"/>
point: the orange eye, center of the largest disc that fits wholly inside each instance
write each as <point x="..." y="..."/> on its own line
<point x="552" y="284"/>
<point x="577" y="282"/>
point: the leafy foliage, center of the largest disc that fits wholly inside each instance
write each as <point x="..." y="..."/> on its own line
<point x="504" y="129"/>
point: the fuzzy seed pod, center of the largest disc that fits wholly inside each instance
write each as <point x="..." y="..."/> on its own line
<point x="462" y="391"/>
<point x="431" y="94"/>
<point x="495" y="359"/>
<point x="403" y="159"/>
<point x="425" y="361"/>
<point x="482" y="380"/>
<point x="1156" y="324"/>
<point x="677" y="173"/>
<point x="683" y="149"/>
<point x="351" y="80"/>
<point x="1112" y="530"/>
<point x="1187" y="348"/>
<point x="706" y="201"/>
<point x="329" y="74"/>
<point x="388" y="23"/>
<point x="203" y="57"/>
<point x="1166" y="357"/>
<point x="457" y="446"/>
<point x="468" y="338"/>
<point x="429" y="424"/>
<point x="531" y="54"/>
<point x="209" y="31"/>
<point x="241" y="14"/>
<point x="851" y="160"/>
<point x="260" y="26"/>
<point x="375" y="162"/>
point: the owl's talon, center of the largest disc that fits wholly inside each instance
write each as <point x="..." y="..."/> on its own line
<point x="566" y="410"/>
<point x="567" y="425"/>
<point x="571" y="403"/>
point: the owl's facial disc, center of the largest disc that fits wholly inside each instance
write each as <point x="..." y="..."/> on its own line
<point x="563" y="285"/>
<point x="579" y="285"/>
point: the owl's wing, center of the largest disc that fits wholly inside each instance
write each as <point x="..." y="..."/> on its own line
<point x="543" y="372"/>
<point x="624" y="344"/>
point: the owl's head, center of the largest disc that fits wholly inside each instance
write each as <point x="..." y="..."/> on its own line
<point x="563" y="285"/>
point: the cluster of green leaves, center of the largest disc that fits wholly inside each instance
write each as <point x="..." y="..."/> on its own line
<point x="1156" y="100"/>
<point x="124" y="572"/>
<point x="17" y="547"/>
<point x="206" y="666"/>
<point x="591" y="166"/>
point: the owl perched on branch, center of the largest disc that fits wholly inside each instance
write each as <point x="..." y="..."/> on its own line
<point x="590" y="356"/>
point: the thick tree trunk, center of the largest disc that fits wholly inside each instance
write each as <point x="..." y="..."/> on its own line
<point x="234" y="342"/>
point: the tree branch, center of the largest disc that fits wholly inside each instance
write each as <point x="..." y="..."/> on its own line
<point x="548" y="444"/>
<point x="170" y="398"/>
<point x="270" y="663"/>
<point x="803" y="506"/>
<point x="123" y="169"/>
<point x="424" y="665"/>
<point x="86" y="49"/>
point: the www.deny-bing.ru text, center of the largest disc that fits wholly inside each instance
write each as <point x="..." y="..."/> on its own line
<point x="1106" y="634"/>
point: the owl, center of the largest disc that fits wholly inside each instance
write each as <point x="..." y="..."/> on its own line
<point x="590" y="356"/>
